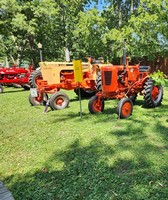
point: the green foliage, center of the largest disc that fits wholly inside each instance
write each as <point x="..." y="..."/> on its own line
<point x="85" y="31"/>
<point x="159" y="78"/>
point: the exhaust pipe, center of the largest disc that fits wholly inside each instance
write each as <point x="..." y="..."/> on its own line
<point x="124" y="54"/>
<point x="67" y="55"/>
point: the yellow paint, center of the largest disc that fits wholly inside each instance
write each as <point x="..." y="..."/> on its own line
<point x="77" y="65"/>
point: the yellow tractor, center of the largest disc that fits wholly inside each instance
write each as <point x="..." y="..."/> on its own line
<point x="54" y="76"/>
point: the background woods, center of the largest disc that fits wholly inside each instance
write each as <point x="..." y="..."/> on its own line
<point x="85" y="27"/>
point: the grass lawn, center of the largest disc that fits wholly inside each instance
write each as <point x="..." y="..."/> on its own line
<point x="59" y="156"/>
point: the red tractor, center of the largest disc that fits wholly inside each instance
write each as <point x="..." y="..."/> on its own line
<point x="15" y="75"/>
<point x="124" y="82"/>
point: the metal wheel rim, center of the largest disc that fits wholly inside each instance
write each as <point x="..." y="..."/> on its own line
<point x="97" y="106"/>
<point x="126" y="109"/>
<point x="60" y="101"/>
<point x="155" y="93"/>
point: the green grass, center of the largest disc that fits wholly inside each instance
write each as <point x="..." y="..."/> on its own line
<point x="60" y="156"/>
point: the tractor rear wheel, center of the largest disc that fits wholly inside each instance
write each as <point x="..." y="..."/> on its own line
<point x="153" y="94"/>
<point x="34" y="76"/>
<point x="1" y="89"/>
<point x="59" y="100"/>
<point x="35" y="101"/>
<point x="125" y="108"/>
<point x="95" y="106"/>
<point x="84" y="93"/>
<point x="98" y="82"/>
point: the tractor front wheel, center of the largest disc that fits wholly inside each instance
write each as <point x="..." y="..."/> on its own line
<point x="36" y="101"/>
<point x="1" y="89"/>
<point x="153" y="94"/>
<point x="59" y="100"/>
<point x="125" y="108"/>
<point x="95" y="105"/>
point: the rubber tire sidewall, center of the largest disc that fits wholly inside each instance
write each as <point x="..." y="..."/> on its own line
<point x="98" y="82"/>
<point x="90" y="105"/>
<point x="120" y="105"/>
<point x="133" y="97"/>
<point x="84" y="93"/>
<point x="149" y="102"/>
<point x="33" y="102"/>
<point x="53" y="98"/>
<point x="32" y="78"/>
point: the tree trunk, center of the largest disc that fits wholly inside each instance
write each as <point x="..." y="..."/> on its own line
<point x="119" y="13"/>
<point x="132" y="6"/>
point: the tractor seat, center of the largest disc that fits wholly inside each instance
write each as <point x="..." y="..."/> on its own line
<point x="144" y="68"/>
<point x="96" y="62"/>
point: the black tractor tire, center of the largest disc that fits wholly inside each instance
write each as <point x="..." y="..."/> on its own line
<point x="125" y="108"/>
<point x="26" y="86"/>
<point x="34" y="101"/>
<point x="34" y="76"/>
<point x="95" y="107"/>
<point x="153" y="94"/>
<point x="59" y="101"/>
<point x="1" y="89"/>
<point x="84" y="93"/>
<point x="133" y="97"/>
<point x="98" y="82"/>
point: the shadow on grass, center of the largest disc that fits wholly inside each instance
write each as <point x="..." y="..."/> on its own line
<point x="13" y="91"/>
<point x="86" y="174"/>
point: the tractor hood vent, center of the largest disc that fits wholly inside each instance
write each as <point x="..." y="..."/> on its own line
<point x="107" y="77"/>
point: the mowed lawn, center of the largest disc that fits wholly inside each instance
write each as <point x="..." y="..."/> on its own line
<point x="59" y="156"/>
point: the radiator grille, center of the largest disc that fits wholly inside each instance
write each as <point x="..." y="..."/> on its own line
<point x="107" y="77"/>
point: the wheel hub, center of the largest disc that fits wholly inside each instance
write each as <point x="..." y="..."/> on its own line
<point x="59" y="101"/>
<point x="126" y="109"/>
<point x="155" y="93"/>
<point x="97" y="106"/>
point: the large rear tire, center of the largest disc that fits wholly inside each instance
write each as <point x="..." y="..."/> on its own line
<point x="34" y="101"/>
<point x="153" y="94"/>
<point x="34" y="76"/>
<point x="98" y="82"/>
<point x="125" y="108"/>
<point x="84" y="93"/>
<point x="59" y="101"/>
<point x="95" y="106"/>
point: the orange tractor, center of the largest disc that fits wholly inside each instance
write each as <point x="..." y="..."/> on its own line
<point x="124" y="82"/>
<point x="54" y="76"/>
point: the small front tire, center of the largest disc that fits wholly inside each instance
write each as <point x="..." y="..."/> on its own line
<point x="35" y="101"/>
<point x="125" y="108"/>
<point x="59" y="101"/>
<point x="95" y="105"/>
